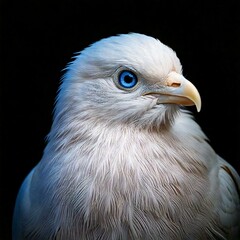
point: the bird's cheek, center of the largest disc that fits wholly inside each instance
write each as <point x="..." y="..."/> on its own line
<point x="149" y="101"/>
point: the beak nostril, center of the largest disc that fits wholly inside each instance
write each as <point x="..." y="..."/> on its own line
<point x="175" y="84"/>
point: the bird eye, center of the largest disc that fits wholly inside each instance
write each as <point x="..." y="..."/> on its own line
<point x="127" y="79"/>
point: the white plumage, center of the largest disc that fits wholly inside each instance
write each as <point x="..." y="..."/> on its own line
<point x="124" y="160"/>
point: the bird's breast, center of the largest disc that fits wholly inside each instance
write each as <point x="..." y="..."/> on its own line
<point x="133" y="179"/>
<point x="135" y="172"/>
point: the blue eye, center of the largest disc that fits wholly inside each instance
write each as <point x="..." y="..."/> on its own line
<point x="127" y="79"/>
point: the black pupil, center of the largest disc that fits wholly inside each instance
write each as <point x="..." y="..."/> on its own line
<point x="128" y="79"/>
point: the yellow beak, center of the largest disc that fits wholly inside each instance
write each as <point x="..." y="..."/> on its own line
<point x="179" y="90"/>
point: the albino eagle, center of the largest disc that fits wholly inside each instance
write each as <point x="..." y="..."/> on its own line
<point x="124" y="160"/>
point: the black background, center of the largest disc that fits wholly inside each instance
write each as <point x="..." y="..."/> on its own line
<point x="39" y="38"/>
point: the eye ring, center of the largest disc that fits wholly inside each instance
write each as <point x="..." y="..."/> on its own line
<point x="127" y="79"/>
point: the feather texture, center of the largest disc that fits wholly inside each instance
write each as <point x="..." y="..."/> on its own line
<point x="119" y="165"/>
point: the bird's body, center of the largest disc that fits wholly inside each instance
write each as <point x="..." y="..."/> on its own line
<point x="123" y="161"/>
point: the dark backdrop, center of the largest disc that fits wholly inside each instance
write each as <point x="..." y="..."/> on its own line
<point x="39" y="38"/>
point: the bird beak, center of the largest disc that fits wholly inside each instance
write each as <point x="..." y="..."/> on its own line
<point x="179" y="90"/>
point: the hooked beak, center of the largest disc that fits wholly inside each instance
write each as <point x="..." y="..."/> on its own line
<point x="179" y="90"/>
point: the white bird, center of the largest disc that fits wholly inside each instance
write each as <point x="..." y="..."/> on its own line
<point x="124" y="158"/>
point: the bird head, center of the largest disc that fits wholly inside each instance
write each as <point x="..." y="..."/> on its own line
<point x="129" y="78"/>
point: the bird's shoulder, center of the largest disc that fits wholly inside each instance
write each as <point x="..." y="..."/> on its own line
<point x="229" y="191"/>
